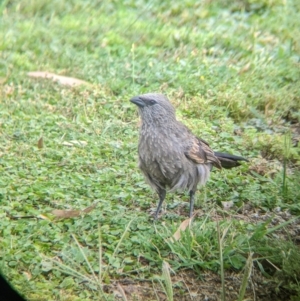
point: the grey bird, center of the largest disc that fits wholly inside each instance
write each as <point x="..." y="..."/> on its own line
<point x="170" y="156"/>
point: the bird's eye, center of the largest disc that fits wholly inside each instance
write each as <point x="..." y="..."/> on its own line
<point x="152" y="102"/>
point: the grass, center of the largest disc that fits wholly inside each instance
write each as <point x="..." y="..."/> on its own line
<point x="231" y="68"/>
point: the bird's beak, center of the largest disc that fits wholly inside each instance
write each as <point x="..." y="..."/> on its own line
<point x="138" y="101"/>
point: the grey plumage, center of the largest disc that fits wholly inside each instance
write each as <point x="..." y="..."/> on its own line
<point x="170" y="156"/>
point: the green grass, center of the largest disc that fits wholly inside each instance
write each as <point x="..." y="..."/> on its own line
<point x="231" y="68"/>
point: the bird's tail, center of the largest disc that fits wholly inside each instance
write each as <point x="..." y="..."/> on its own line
<point x="229" y="161"/>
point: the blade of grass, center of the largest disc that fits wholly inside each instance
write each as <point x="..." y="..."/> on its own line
<point x="167" y="279"/>
<point x="118" y="246"/>
<point x="85" y="258"/>
<point x="220" y="241"/>
<point x="98" y="283"/>
<point x="248" y="269"/>
<point x="268" y="231"/>
<point x="68" y="270"/>
<point x="122" y="238"/>
<point x="223" y="298"/>
<point x="100" y="255"/>
<point x="287" y="147"/>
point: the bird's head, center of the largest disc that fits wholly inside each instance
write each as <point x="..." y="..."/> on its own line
<point x="154" y="107"/>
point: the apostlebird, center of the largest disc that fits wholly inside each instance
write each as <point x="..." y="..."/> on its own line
<point x="170" y="156"/>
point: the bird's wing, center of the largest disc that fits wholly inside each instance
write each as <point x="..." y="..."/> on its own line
<point x="200" y="153"/>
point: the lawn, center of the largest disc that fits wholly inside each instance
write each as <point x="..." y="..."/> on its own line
<point x="75" y="209"/>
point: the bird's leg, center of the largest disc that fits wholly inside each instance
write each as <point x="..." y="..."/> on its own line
<point x="162" y="194"/>
<point x="192" y="201"/>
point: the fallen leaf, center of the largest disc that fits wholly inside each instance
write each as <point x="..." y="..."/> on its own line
<point x="90" y="208"/>
<point x="66" y="143"/>
<point x="64" y="80"/>
<point x="40" y="143"/>
<point x="27" y="275"/>
<point x="79" y="142"/>
<point x="181" y="228"/>
<point x="245" y="68"/>
<point x="66" y="213"/>
<point x="74" y="143"/>
<point x="42" y="216"/>
<point x="73" y="213"/>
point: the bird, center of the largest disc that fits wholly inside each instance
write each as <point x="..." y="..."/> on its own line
<point x="170" y="156"/>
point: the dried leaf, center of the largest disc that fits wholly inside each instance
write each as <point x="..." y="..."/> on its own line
<point x="66" y="143"/>
<point x="73" y="213"/>
<point x="42" y="216"/>
<point x="74" y="143"/>
<point x="245" y="68"/>
<point x="64" y="80"/>
<point x="66" y="213"/>
<point x="90" y="208"/>
<point x="40" y="143"/>
<point x="27" y="275"/>
<point x="79" y="142"/>
<point x="182" y="227"/>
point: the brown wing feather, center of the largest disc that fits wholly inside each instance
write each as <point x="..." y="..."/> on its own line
<point x="201" y="153"/>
